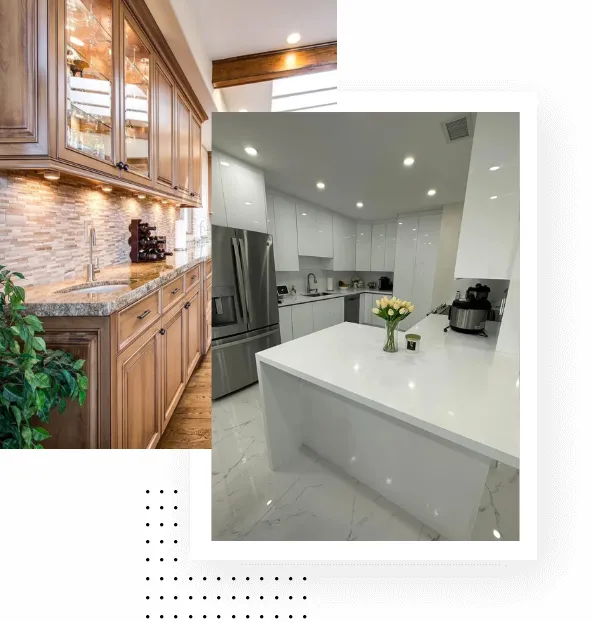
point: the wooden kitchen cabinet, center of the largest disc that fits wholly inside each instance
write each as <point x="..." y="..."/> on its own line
<point x="208" y="307"/>
<point x="138" y="392"/>
<point x="193" y="343"/>
<point x="92" y="89"/>
<point x="173" y="359"/>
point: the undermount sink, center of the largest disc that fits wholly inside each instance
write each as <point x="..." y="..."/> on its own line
<point x="317" y="294"/>
<point x="96" y="288"/>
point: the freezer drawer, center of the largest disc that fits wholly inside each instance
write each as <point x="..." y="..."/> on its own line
<point x="233" y="359"/>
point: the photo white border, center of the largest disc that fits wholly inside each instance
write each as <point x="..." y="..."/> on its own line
<point x="202" y="547"/>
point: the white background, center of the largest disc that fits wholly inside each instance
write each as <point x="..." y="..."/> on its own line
<point x="73" y="523"/>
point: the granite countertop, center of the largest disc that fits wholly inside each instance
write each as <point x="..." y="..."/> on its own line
<point x="140" y="278"/>
<point x="288" y="301"/>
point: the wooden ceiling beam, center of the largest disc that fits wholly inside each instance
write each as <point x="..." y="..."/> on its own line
<point x="272" y="65"/>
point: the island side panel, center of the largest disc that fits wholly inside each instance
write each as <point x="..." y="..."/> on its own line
<point x="434" y="480"/>
<point x="280" y="405"/>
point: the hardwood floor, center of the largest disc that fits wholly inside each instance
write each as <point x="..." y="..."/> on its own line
<point x="191" y="424"/>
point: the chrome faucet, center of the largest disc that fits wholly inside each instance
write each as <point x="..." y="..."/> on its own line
<point x="91" y="269"/>
<point x="309" y="289"/>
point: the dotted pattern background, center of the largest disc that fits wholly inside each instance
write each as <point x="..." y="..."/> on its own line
<point x="173" y="591"/>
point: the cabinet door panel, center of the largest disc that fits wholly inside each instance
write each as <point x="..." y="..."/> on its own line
<point x="302" y="322"/>
<point x="325" y="233"/>
<point x="363" y="246"/>
<point x="218" y="203"/>
<point x="306" y="223"/>
<point x="195" y="189"/>
<point x="183" y="144"/>
<point x="321" y="315"/>
<point x="286" y="234"/>
<point x="271" y="227"/>
<point x="165" y="125"/>
<point x="139" y="392"/>
<point x="244" y="196"/>
<point x="344" y="243"/>
<point x="378" y="247"/>
<point x="390" y="246"/>
<point x="405" y="257"/>
<point x="193" y="318"/>
<point x="286" y="324"/>
<point x="173" y="359"/>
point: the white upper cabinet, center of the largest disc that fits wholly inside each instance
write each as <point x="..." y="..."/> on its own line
<point x="390" y="245"/>
<point x="315" y="230"/>
<point x="218" y="207"/>
<point x="243" y="191"/>
<point x="378" y="247"/>
<point x="363" y="246"/>
<point x="344" y="243"/>
<point x="281" y="216"/>
<point x="405" y="257"/>
<point x="489" y="230"/>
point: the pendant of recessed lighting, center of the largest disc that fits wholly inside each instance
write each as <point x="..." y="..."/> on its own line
<point x="320" y="185"/>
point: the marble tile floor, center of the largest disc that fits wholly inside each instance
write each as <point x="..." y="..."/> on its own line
<point x="312" y="499"/>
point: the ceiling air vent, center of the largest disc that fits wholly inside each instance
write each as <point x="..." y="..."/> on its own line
<point x="458" y="128"/>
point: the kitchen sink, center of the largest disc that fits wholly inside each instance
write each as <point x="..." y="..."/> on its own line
<point x="96" y="288"/>
<point x="317" y="294"/>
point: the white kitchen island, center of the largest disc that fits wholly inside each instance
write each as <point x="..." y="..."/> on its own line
<point x="422" y="428"/>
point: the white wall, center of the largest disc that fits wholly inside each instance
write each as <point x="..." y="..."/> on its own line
<point x="444" y="284"/>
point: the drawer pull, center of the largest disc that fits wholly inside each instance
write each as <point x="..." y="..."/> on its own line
<point x="174" y="291"/>
<point x="162" y="331"/>
<point x="143" y="315"/>
<point x="194" y="277"/>
<point x="187" y="305"/>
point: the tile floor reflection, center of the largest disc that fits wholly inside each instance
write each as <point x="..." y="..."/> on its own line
<point x="312" y="499"/>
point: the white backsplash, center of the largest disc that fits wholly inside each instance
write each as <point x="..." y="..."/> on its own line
<point x="298" y="279"/>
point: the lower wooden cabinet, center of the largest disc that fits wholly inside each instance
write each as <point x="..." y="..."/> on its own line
<point x="173" y="359"/>
<point x="193" y="322"/>
<point x="138" y="387"/>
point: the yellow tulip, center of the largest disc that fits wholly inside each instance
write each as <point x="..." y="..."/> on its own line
<point x="402" y="310"/>
<point x="411" y="308"/>
<point x="375" y="311"/>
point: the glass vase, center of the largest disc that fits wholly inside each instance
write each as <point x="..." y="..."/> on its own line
<point x="391" y="343"/>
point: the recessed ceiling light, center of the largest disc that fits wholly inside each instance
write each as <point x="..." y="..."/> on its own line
<point x="497" y="534"/>
<point x="51" y="175"/>
<point x="320" y="185"/>
<point x="494" y="168"/>
<point x="76" y="41"/>
<point x="493" y="197"/>
<point x="303" y="213"/>
<point x="243" y="110"/>
<point x="408" y="161"/>
<point x="431" y="192"/>
<point x="106" y="188"/>
<point x="359" y="204"/>
<point x="400" y="223"/>
<point x="293" y="38"/>
<point x="247" y="203"/>
<point x="251" y="151"/>
<point x="224" y="163"/>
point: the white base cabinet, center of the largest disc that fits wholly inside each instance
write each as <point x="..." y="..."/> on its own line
<point x="326" y="313"/>
<point x="302" y="322"/>
<point x="286" y="333"/>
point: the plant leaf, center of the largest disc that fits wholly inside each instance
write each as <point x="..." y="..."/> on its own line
<point x="40" y="434"/>
<point x="39" y="344"/>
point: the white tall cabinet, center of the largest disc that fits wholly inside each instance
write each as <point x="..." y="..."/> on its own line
<point x="489" y="232"/>
<point x="378" y="247"/>
<point x="281" y="219"/>
<point x="344" y="243"/>
<point x="363" y="246"/>
<point x="238" y="194"/>
<point x="390" y="245"/>
<point x="315" y="230"/>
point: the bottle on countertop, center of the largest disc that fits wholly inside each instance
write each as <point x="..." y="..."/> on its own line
<point x="293" y="292"/>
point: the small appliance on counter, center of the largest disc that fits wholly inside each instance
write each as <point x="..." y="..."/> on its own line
<point x="384" y="283"/>
<point x="471" y="314"/>
<point x="329" y="283"/>
<point x="282" y="292"/>
<point x="144" y="245"/>
<point x="371" y="284"/>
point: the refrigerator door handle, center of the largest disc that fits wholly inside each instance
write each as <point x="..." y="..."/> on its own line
<point x="241" y="281"/>
<point x="245" y="268"/>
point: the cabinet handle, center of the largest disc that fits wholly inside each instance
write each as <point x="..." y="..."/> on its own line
<point x="176" y="188"/>
<point x="143" y="315"/>
<point x="120" y="165"/>
<point x="162" y="331"/>
<point x="126" y="167"/>
<point x="187" y="305"/>
<point x="174" y="291"/>
<point x="194" y="277"/>
<point x="192" y="194"/>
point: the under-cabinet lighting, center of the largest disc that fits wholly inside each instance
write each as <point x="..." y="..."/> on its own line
<point x="51" y="175"/>
<point x="107" y="188"/>
<point x="141" y="196"/>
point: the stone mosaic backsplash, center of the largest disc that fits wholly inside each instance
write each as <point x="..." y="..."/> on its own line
<point x="42" y="225"/>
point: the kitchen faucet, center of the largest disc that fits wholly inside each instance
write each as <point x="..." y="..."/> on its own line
<point x="308" y="287"/>
<point x="91" y="269"/>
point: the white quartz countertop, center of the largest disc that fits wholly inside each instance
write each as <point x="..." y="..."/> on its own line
<point x="456" y="386"/>
<point x="289" y="301"/>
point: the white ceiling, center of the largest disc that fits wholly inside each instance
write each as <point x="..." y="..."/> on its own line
<point x="251" y="97"/>
<point x="358" y="155"/>
<point x="236" y="27"/>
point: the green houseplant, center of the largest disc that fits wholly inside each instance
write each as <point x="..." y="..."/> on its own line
<point x="33" y="379"/>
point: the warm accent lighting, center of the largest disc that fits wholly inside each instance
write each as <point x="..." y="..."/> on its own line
<point x="251" y="151"/>
<point x="290" y="61"/>
<point x="224" y="163"/>
<point x="320" y="185"/>
<point x="141" y="196"/>
<point x="293" y="38"/>
<point x="431" y="192"/>
<point x="359" y="204"/>
<point x="408" y="161"/>
<point x="51" y="175"/>
<point x="107" y="188"/>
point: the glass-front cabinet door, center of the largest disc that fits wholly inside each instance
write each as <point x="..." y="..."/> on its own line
<point x="87" y="85"/>
<point x="137" y="119"/>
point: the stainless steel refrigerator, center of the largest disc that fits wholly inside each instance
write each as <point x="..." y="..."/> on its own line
<point x="245" y="318"/>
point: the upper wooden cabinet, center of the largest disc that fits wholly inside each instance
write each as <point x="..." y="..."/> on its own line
<point x="91" y="88"/>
